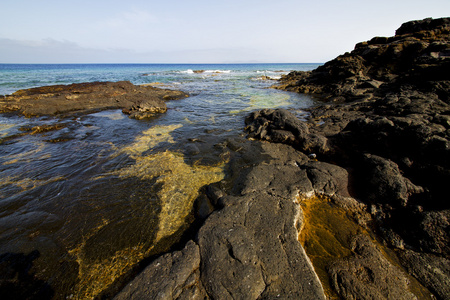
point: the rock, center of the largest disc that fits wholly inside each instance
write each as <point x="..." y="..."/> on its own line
<point x="431" y="270"/>
<point x="251" y="251"/>
<point x="367" y="274"/>
<point x="248" y="247"/>
<point x="382" y="182"/>
<point x="422" y="25"/>
<point x="414" y="55"/>
<point x="172" y="276"/>
<point x="327" y="179"/>
<point x="281" y="126"/>
<point x="435" y="227"/>
<point x="137" y="101"/>
<point x="387" y="126"/>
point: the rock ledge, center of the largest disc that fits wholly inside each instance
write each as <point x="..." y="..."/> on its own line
<point x="137" y="101"/>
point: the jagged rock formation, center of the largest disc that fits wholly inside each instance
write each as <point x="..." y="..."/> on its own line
<point x="137" y="101"/>
<point x="391" y="128"/>
<point x="381" y="155"/>
<point x="417" y="55"/>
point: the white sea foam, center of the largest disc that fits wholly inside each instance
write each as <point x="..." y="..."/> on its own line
<point x="218" y="71"/>
<point x="190" y="71"/>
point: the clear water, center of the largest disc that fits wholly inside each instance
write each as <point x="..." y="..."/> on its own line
<point x="103" y="192"/>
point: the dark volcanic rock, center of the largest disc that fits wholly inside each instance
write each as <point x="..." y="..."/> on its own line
<point x="382" y="154"/>
<point x="417" y="54"/>
<point x="249" y="248"/>
<point x="385" y="183"/>
<point x="432" y="270"/>
<point x="367" y="274"/>
<point x="280" y="126"/>
<point x="172" y="276"/>
<point x="137" y="101"/>
<point x="389" y="127"/>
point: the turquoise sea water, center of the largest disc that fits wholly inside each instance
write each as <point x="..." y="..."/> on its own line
<point x="88" y="201"/>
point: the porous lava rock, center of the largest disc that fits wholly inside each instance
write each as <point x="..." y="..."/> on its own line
<point x="418" y="54"/>
<point x="385" y="119"/>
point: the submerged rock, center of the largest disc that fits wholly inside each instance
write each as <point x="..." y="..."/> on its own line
<point x="136" y="101"/>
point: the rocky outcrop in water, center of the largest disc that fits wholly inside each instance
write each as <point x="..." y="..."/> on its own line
<point x="137" y="101"/>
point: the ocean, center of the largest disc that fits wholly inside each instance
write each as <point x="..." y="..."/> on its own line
<point x="83" y="205"/>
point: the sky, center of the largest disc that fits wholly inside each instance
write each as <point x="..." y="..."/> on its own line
<point x="198" y="31"/>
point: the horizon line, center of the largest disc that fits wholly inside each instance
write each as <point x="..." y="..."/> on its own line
<point x="185" y="63"/>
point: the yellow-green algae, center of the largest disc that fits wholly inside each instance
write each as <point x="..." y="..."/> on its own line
<point x="326" y="235"/>
<point x="95" y="277"/>
<point x="179" y="184"/>
<point x="265" y="101"/>
<point x="179" y="181"/>
<point x="27" y="184"/>
<point x="150" y="138"/>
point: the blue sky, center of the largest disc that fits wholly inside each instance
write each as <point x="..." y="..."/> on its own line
<point x="198" y="31"/>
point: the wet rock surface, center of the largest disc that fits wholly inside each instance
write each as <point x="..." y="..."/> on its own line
<point x="136" y="101"/>
<point x="172" y="276"/>
<point x="249" y="245"/>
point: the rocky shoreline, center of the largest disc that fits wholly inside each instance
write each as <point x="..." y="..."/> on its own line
<point x="350" y="203"/>
<point x="377" y="152"/>
<point x="62" y="100"/>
